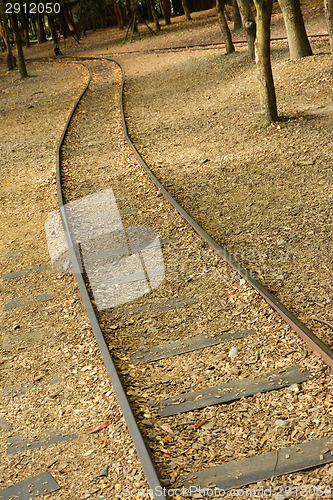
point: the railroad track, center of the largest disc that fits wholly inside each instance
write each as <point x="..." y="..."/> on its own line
<point x="181" y="335"/>
<point x="217" y="390"/>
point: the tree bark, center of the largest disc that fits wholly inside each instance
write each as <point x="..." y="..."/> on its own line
<point x="150" y="17"/>
<point x="329" y="20"/>
<point x="229" y="46"/>
<point x="298" y="42"/>
<point x="41" y="35"/>
<point x="10" y="59"/>
<point x="33" y="27"/>
<point x="25" y="25"/>
<point x="236" y="16"/>
<point x="53" y="29"/>
<point x="135" y="14"/>
<point x="18" y="42"/>
<point x="268" y="109"/>
<point x="119" y="14"/>
<point x="127" y="4"/>
<point x="154" y="14"/>
<point x="249" y="25"/>
<point x="186" y="10"/>
<point x="166" y="10"/>
<point x="73" y="28"/>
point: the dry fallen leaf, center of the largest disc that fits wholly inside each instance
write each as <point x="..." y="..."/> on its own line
<point x="102" y="443"/>
<point x="69" y="302"/>
<point x="87" y="453"/>
<point x="189" y="451"/>
<point x="63" y="471"/>
<point x="166" y="439"/>
<point x="199" y="424"/>
<point x="268" y="436"/>
<point x="167" y="428"/>
<point x="173" y="477"/>
<point x="101" y="426"/>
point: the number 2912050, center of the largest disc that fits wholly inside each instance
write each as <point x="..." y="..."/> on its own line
<point x="33" y="8"/>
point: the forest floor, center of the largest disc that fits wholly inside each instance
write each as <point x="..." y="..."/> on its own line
<point x="264" y="194"/>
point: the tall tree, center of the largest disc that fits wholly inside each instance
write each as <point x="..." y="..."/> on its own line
<point x="166" y="10"/>
<point x="186" y="10"/>
<point x="10" y="59"/>
<point x="249" y="24"/>
<point x="329" y="19"/>
<point x="229" y="46"/>
<point x="268" y="109"/>
<point x="25" y="26"/>
<point x="86" y="14"/>
<point x="53" y="28"/>
<point x="71" y="27"/>
<point x="150" y="18"/>
<point x="119" y="14"/>
<point x="154" y="14"/>
<point x="236" y="17"/>
<point x="100" y="8"/>
<point x="33" y="27"/>
<point x="19" y="48"/>
<point x="298" y="41"/>
<point x="41" y="35"/>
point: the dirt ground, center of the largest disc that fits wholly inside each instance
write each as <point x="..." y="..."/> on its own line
<point x="265" y="194"/>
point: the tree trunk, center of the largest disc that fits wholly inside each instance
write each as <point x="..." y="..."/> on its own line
<point x="18" y="42"/>
<point x="268" y="108"/>
<point x="69" y="17"/>
<point x="136" y="13"/>
<point x="119" y="14"/>
<point x="72" y="27"/>
<point x="33" y="27"/>
<point x="41" y="35"/>
<point x="166" y="10"/>
<point x="229" y="46"/>
<point x="249" y="25"/>
<point x="236" y="16"/>
<point x="127" y="11"/>
<point x="186" y="10"/>
<point x="53" y="29"/>
<point x="298" y="42"/>
<point x="25" y="25"/>
<point x="10" y="59"/>
<point x="150" y="17"/>
<point x="154" y="14"/>
<point x="329" y="19"/>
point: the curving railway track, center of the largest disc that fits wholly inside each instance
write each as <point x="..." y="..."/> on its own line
<point x="217" y="380"/>
<point x="184" y="327"/>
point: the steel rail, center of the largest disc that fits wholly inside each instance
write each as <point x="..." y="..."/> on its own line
<point x="148" y="465"/>
<point x="315" y="344"/>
